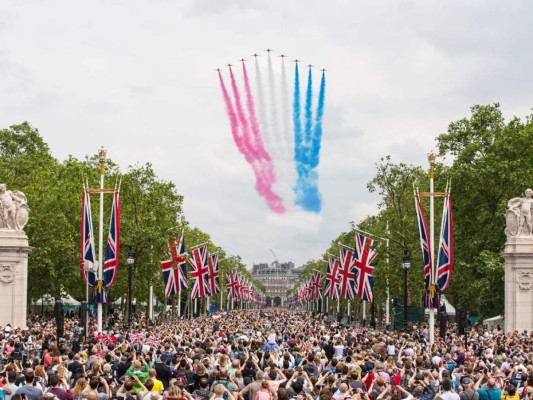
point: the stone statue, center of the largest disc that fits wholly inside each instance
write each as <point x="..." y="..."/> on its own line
<point x="14" y="210"/>
<point x="518" y="216"/>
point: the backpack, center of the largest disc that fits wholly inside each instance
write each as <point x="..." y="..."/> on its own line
<point x="182" y="377"/>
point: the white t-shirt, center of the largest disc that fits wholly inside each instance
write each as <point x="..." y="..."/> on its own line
<point x="339" y="350"/>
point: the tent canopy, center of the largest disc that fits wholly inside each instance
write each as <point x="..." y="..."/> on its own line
<point x="48" y="300"/>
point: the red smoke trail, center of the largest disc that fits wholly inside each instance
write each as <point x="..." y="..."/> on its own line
<point x="243" y="121"/>
<point x="234" y="122"/>
<point x="241" y="136"/>
<point x="256" y="129"/>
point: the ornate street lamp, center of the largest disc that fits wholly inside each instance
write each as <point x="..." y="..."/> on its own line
<point x="131" y="262"/>
<point x="406" y="264"/>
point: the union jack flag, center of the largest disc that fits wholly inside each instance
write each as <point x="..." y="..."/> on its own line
<point x="87" y="241"/>
<point x="364" y="255"/>
<point x="308" y="290"/>
<point x="247" y="291"/>
<point x="134" y="337"/>
<point x="214" y="274"/>
<point x="445" y="255"/>
<point x="231" y="285"/>
<point x="332" y="278"/>
<point x="199" y="271"/>
<point x="346" y="272"/>
<point x="153" y="342"/>
<point x="175" y="269"/>
<point x="113" y="243"/>
<point x="426" y="254"/>
<point x="316" y="280"/>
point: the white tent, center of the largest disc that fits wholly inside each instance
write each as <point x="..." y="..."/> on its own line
<point x="491" y="323"/>
<point x="118" y="302"/>
<point x="450" y="310"/>
<point x="48" y="300"/>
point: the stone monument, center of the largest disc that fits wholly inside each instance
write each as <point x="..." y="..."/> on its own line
<point x="14" y="250"/>
<point x="518" y="256"/>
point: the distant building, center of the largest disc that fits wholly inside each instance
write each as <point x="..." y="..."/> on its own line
<point x="278" y="279"/>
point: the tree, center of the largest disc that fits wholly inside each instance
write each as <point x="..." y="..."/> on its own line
<point x="490" y="165"/>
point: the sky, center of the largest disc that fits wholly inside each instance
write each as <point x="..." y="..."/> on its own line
<point x="138" y="77"/>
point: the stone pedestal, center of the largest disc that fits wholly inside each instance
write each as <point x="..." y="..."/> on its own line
<point x="14" y="252"/>
<point x="518" y="256"/>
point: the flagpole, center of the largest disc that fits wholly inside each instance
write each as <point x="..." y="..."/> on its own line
<point x="102" y="153"/>
<point x="349" y="312"/>
<point x="179" y="304"/>
<point x="387" y="306"/>
<point x="364" y="312"/>
<point x="431" y="159"/>
<point x="207" y="311"/>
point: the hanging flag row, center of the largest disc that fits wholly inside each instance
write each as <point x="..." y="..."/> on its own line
<point x="348" y="276"/>
<point x="88" y="259"/>
<point x="239" y="288"/>
<point x="436" y="280"/>
<point x="203" y="271"/>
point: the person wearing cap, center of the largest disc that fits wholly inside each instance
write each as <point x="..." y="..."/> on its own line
<point x="468" y="392"/>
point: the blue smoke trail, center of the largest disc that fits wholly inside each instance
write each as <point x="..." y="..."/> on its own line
<point x="308" y="117"/>
<point x="306" y="190"/>
<point x="317" y="136"/>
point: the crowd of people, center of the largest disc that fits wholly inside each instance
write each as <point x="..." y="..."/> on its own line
<point x="266" y="354"/>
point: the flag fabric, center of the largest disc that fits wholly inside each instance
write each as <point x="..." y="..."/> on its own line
<point x="113" y="244"/>
<point x="99" y="292"/>
<point x="169" y="277"/>
<point x="199" y="272"/>
<point x="331" y="289"/>
<point x="87" y="242"/>
<point x="426" y="254"/>
<point x="317" y="285"/>
<point x="213" y="274"/>
<point x="175" y="269"/>
<point x="179" y="258"/>
<point x="364" y="256"/>
<point x="346" y="272"/>
<point x="231" y="285"/>
<point x="134" y="337"/>
<point x="445" y="254"/>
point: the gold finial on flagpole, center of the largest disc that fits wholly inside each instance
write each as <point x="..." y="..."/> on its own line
<point x="101" y="155"/>
<point x="431" y="159"/>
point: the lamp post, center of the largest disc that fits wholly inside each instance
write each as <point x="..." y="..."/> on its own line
<point x="406" y="264"/>
<point x="131" y="261"/>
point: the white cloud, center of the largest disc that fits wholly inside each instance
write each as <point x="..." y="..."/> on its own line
<point x="138" y="77"/>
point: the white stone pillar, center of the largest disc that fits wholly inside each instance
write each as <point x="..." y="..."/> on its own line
<point x="14" y="250"/>
<point x="518" y="256"/>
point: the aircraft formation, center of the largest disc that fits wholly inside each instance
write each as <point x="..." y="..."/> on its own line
<point x="283" y="56"/>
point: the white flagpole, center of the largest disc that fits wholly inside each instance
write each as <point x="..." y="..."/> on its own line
<point x="349" y="312"/>
<point x="431" y="159"/>
<point x="327" y="305"/>
<point x="195" y="307"/>
<point x="102" y="154"/>
<point x="208" y="305"/>
<point x="221" y="298"/>
<point x="387" y="306"/>
<point x="179" y="305"/>
<point x="364" y="312"/>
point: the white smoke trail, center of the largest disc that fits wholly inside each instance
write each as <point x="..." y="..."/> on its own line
<point x="262" y="110"/>
<point x="289" y="175"/>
